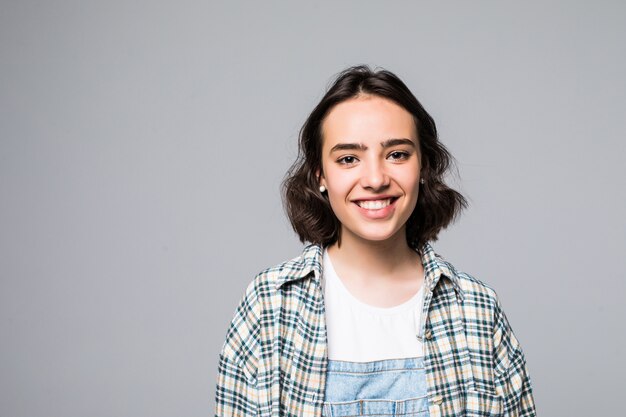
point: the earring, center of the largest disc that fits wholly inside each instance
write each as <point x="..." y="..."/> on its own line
<point x="422" y="181"/>
<point x="322" y="188"/>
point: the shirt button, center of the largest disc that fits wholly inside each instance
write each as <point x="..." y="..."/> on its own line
<point x="437" y="399"/>
<point x="428" y="334"/>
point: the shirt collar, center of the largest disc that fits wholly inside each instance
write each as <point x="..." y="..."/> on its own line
<point x="309" y="265"/>
<point x="435" y="268"/>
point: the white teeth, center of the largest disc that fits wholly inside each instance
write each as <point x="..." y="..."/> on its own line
<point x="374" y="204"/>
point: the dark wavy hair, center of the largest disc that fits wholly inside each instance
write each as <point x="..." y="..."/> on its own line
<point x="309" y="210"/>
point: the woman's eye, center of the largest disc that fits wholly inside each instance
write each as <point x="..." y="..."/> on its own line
<point x="398" y="155"/>
<point x="347" y="160"/>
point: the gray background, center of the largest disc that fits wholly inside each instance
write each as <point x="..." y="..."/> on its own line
<point x="142" y="144"/>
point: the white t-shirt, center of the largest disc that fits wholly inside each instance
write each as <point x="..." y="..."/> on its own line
<point x="359" y="332"/>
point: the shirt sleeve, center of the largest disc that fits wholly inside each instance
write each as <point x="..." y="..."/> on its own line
<point x="512" y="379"/>
<point x="236" y="392"/>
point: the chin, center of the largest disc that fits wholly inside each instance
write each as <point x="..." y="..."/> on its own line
<point x="380" y="236"/>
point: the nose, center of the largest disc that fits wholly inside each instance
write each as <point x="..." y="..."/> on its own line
<point x="374" y="177"/>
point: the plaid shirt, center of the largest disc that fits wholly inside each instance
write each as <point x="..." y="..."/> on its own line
<point x="273" y="362"/>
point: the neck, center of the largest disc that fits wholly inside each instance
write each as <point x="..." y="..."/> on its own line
<point x="374" y="258"/>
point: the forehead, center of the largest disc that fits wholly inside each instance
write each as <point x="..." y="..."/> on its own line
<point x="367" y="118"/>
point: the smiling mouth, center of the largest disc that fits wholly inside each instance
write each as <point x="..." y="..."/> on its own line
<point x="375" y="204"/>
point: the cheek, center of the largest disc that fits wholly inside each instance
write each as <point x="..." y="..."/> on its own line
<point x="336" y="183"/>
<point x="337" y="205"/>
<point x="336" y="195"/>
<point x="338" y="189"/>
<point x="412" y="177"/>
<point x="407" y="177"/>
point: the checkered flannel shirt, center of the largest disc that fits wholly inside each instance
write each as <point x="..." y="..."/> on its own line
<point x="273" y="362"/>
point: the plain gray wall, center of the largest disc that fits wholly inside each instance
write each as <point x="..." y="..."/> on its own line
<point x="142" y="144"/>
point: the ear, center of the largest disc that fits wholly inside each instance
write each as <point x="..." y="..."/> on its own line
<point x="320" y="177"/>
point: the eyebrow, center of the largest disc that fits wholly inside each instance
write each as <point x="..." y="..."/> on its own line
<point x="361" y="147"/>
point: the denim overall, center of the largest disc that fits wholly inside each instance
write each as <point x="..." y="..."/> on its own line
<point x="384" y="388"/>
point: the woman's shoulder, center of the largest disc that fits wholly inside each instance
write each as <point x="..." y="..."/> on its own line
<point x="269" y="280"/>
<point x="262" y="294"/>
<point x="473" y="289"/>
<point x="478" y="300"/>
<point x="262" y="291"/>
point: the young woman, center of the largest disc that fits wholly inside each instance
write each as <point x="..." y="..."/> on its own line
<point x="369" y="320"/>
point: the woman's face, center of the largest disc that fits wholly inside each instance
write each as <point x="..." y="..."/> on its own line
<point x="371" y="167"/>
